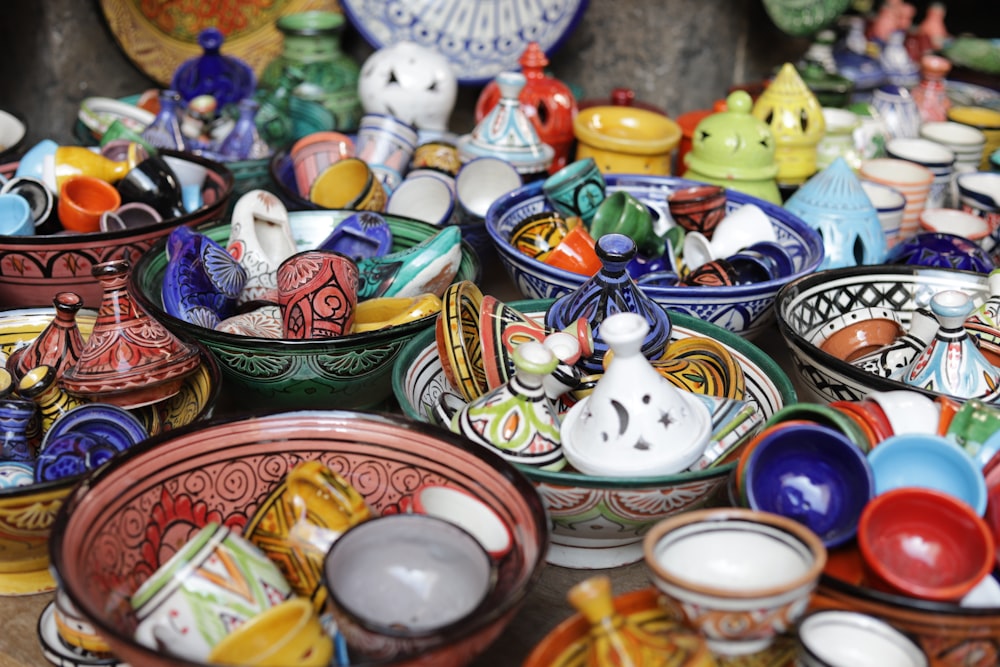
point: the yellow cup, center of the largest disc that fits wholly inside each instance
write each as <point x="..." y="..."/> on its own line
<point x="985" y="120"/>
<point x="289" y="634"/>
<point x="626" y="140"/>
<point x="349" y="184"/>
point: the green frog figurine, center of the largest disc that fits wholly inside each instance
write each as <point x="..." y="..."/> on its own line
<point x="734" y="149"/>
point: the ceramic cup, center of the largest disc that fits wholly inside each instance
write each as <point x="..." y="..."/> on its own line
<point x="131" y="215"/>
<point x="699" y="208"/>
<point x="317" y="293"/>
<point x="215" y="581"/>
<point x="32" y="163"/>
<point x="289" y="634"/>
<point x="979" y="194"/>
<point x="911" y="179"/>
<point x="577" y="189"/>
<point x="15" y="216"/>
<point x="153" y="182"/>
<point x="742" y="227"/>
<point x="622" y="213"/>
<point x="442" y="155"/>
<point x="953" y="221"/>
<point x="576" y="252"/>
<point x="423" y="198"/>
<point x="315" y="152"/>
<point x="889" y="204"/>
<point x="386" y="143"/>
<point x="82" y="201"/>
<point x="975" y="428"/>
<point x="191" y="176"/>
<point x="480" y="182"/>
<point x="938" y="158"/>
<point x="40" y="199"/>
<point x="537" y="235"/>
<point x="965" y="141"/>
<point x="348" y="184"/>
<point x="985" y="120"/>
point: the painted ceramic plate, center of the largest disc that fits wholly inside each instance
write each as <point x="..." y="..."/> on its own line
<point x="479" y="39"/>
<point x="160" y="36"/>
<point x="102" y="420"/>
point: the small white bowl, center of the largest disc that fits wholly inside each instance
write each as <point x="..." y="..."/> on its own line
<point x="836" y="638"/>
<point x="465" y="510"/>
<point x="740" y="577"/>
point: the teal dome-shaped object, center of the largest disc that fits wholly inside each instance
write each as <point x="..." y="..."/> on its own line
<point x="834" y="204"/>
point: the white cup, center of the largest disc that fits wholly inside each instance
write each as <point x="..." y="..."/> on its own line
<point x="424" y="198"/>
<point x="740" y="228"/>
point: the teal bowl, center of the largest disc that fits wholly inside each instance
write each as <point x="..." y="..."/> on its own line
<point x="599" y="522"/>
<point x="348" y="372"/>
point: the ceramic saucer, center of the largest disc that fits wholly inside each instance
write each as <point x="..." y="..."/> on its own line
<point x="107" y="422"/>
<point x="59" y="653"/>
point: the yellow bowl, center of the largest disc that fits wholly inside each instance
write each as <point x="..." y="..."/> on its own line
<point x="626" y="140"/>
<point x="985" y="120"/>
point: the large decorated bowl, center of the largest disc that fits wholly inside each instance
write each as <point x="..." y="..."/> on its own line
<point x="744" y="309"/>
<point x="599" y="522"/>
<point x="34" y="268"/>
<point x="283" y="177"/>
<point x="114" y="531"/>
<point x="28" y="512"/>
<point x="805" y="305"/>
<point x="347" y="372"/>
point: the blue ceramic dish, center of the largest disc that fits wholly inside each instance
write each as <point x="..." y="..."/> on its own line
<point x="71" y="454"/>
<point x="101" y="420"/>
<point x="812" y="474"/>
<point x="937" y="249"/>
<point x="930" y="461"/>
<point x="743" y="309"/>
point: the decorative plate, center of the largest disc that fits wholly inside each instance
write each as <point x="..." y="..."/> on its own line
<point x="108" y="422"/>
<point x="159" y="36"/>
<point x="479" y="39"/>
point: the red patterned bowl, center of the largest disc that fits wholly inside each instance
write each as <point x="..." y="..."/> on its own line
<point x="34" y="268"/>
<point x="114" y="531"/>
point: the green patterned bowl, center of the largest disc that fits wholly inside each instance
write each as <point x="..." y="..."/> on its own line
<point x="350" y="372"/>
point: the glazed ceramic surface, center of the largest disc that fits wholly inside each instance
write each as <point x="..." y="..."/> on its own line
<point x="185" y="485"/>
<point x="355" y="369"/>
<point x="599" y="521"/>
<point x="744" y="309"/>
<point x="842" y="637"/>
<point x="34" y="268"/>
<point x="810" y="302"/>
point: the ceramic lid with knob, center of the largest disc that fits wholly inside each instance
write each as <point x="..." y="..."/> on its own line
<point x="635" y="423"/>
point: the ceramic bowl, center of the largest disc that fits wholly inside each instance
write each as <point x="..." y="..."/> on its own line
<point x="27" y="513"/>
<point x="811" y="474"/>
<point x="806" y="304"/>
<point x="283" y="175"/>
<point x="598" y="522"/>
<point x="744" y="309"/>
<point x="351" y="371"/>
<point x="626" y="140"/>
<point x="34" y="268"/>
<point x="833" y="638"/>
<point x="924" y="544"/>
<point x="943" y="250"/>
<point x="858" y="332"/>
<point x="738" y="576"/>
<point x="114" y="531"/>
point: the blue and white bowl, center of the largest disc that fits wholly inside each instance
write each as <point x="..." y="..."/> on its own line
<point x="743" y="309"/>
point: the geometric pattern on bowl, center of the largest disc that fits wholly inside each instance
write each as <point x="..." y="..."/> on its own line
<point x="744" y="309"/>
<point x="804" y="305"/>
<point x="598" y="522"/>
<point x="132" y="515"/>
<point x="351" y="371"/>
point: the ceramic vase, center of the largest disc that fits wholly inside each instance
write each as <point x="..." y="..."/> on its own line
<point x="635" y="422"/>
<point x="931" y="96"/>
<point x="952" y="363"/>
<point x="616" y="639"/>
<point x="260" y="238"/>
<point x="40" y="385"/>
<point x="547" y="102"/>
<point x="15" y="416"/>
<point x="60" y="342"/>
<point x="312" y="83"/>
<point x="898" y="111"/>
<point x="165" y="130"/>
<point x="201" y="281"/>
<point x="507" y="133"/>
<point x="244" y="142"/>
<point x="611" y="290"/>
<point x="79" y="161"/>
<point x="894" y="359"/>
<point x="899" y="67"/>
<point x="130" y="359"/>
<point x="226" y="78"/>
<point x="517" y="419"/>
<point x="834" y="203"/>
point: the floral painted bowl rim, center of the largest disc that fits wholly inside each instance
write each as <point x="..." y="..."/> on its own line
<point x="575" y="479"/>
<point x="517" y="197"/>
<point x="228" y="182"/>
<point x="872" y="382"/>
<point x="303" y="346"/>
<point x="207" y="358"/>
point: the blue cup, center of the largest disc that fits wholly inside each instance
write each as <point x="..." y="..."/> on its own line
<point x="15" y="216"/>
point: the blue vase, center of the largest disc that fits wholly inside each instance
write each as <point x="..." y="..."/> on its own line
<point x="15" y="416"/>
<point x="225" y="78"/>
<point x="611" y="290"/>
<point x="165" y="130"/>
<point x="243" y="142"/>
<point x="201" y="281"/>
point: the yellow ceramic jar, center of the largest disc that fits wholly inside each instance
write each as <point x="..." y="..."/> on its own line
<point x="985" y="120"/>
<point x="626" y="140"/>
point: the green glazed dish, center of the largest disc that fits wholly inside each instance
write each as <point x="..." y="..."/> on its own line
<point x="349" y="372"/>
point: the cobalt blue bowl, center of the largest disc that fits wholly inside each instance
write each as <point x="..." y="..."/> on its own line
<point x="941" y="250"/>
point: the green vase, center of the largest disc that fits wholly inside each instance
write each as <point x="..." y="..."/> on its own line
<point x="312" y="85"/>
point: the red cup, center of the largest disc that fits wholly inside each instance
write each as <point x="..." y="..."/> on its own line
<point x="317" y="293"/>
<point x="576" y="252"/>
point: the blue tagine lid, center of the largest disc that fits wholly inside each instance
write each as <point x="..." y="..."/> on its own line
<point x="225" y="78"/>
<point x="833" y="203"/>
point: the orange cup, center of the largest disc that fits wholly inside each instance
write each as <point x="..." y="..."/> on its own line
<point x="576" y="252"/>
<point x="83" y="200"/>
